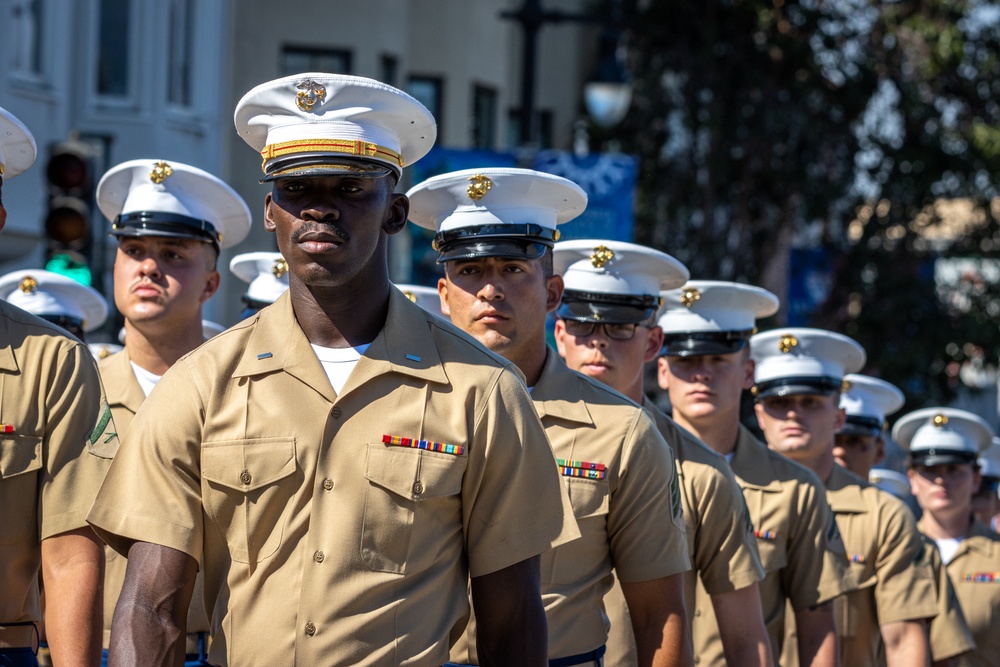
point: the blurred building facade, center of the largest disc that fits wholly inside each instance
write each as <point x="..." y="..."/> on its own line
<point x="133" y="78"/>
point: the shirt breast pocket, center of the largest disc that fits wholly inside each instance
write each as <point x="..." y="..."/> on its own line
<point x="772" y="554"/>
<point x="588" y="497"/>
<point x="20" y="460"/>
<point x="247" y="491"/>
<point x="412" y="503"/>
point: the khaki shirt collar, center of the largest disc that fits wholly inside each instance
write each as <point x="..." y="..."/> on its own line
<point x="753" y="469"/>
<point x="843" y="491"/>
<point x="8" y="362"/>
<point x="120" y="384"/>
<point x="553" y="396"/>
<point x="405" y="346"/>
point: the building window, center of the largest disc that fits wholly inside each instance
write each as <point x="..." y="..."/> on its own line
<point x="389" y="69"/>
<point x="484" y="116"/>
<point x="181" y="52"/>
<point x="295" y="59"/>
<point x="543" y="129"/>
<point x="429" y="91"/>
<point x="113" y="48"/>
<point x="28" y="33"/>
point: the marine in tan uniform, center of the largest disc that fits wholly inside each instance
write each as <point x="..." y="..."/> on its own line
<point x="56" y="436"/>
<point x="860" y="445"/>
<point x="944" y="444"/>
<point x="341" y="463"/>
<point x="798" y="379"/>
<point x="706" y="366"/>
<point x="607" y="330"/>
<point x="495" y="229"/>
<point x="170" y="220"/>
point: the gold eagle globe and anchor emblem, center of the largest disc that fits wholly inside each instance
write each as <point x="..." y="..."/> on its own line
<point x="310" y="93"/>
<point x="787" y="342"/>
<point x="940" y="420"/>
<point x="160" y="171"/>
<point x="602" y="255"/>
<point x="28" y="285"/>
<point x="280" y="268"/>
<point x="479" y="186"/>
<point x="689" y="295"/>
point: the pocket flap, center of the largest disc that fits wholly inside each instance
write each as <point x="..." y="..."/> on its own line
<point x="248" y="465"/>
<point x="20" y="454"/>
<point x="588" y="497"/>
<point x="414" y="473"/>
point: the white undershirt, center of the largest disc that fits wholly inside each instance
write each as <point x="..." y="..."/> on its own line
<point x="948" y="547"/>
<point x="729" y="457"/>
<point x="338" y="362"/>
<point x="146" y="379"/>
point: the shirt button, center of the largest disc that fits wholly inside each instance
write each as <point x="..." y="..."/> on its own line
<point x="318" y="556"/>
<point x="310" y="628"/>
<point x="697" y="660"/>
<point x="335" y="413"/>
<point x="245" y="477"/>
<point x="327" y="484"/>
<point x="418" y="488"/>
<point x="697" y="612"/>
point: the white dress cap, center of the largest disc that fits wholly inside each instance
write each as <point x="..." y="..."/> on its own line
<point x="267" y="273"/>
<point x="868" y="401"/>
<point x="938" y="436"/>
<point x="802" y="361"/>
<point x="316" y="124"/>
<point x="890" y="481"/>
<point x="989" y="460"/>
<point x="495" y="212"/>
<point x="712" y="316"/>
<point x="425" y="297"/>
<point x="210" y="329"/>
<point x="613" y="281"/>
<point x="152" y="197"/>
<point x="17" y="146"/>
<point x="55" y="298"/>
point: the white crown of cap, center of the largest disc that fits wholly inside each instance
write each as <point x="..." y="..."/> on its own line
<point x="55" y="295"/>
<point x="425" y="297"/>
<point x="267" y="273"/>
<point x="989" y="460"/>
<point x="890" y="481"/>
<point x="946" y="429"/>
<point x="130" y="187"/>
<point x="870" y="397"/>
<point x="17" y="146"/>
<point x="715" y="306"/>
<point x="810" y="353"/>
<point x="350" y="109"/>
<point x="616" y="267"/>
<point x="210" y="329"/>
<point x="509" y="196"/>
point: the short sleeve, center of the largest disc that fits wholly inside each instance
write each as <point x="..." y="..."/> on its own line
<point x="817" y="569"/>
<point x="514" y="504"/>
<point x="152" y="492"/>
<point x="904" y="589"/>
<point x="645" y="517"/>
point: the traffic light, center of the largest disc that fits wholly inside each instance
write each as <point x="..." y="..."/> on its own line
<point x="69" y="173"/>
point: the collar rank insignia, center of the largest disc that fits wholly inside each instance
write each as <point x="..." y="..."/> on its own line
<point x="689" y="296"/>
<point x="479" y="186"/>
<point x="160" y="171"/>
<point x="602" y="255"/>
<point x="787" y="342"/>
<point x="309" y="94"/>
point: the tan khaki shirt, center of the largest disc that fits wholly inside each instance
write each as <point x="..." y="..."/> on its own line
<point x="888" y="562"/>
<point x="337" y="529"/>
<point x="721" y="540"/>
<point x="797" y="539"/>
<point x="949" y="633"/>
<point x="975" y="573"/>
<point x="630" y="519"/>
<point x="125" y="397"/>
<point x="56" y="437"/>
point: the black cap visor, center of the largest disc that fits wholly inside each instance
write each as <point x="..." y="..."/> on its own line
<point x="698" y="343"/>
<point x="173" y="225"/>
<point x="607" y="308"/>
<point x="941" y="457"/>
<point x="861" y="425"/>
<point x="791" y="386"/>
<point x="306" y="166"/>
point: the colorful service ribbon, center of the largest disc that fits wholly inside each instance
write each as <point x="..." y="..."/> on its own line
<point x="399" y="441"/>
<point x="584" y="469"/>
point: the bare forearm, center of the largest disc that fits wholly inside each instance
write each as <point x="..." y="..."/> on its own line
<point x="906" y="644"/>
<point x="817" y="637"/>
<point x="659" y="622"/>
<point x="73" y="572"/>
<point x="148" y="628"/>
<point x="741" y="627"/>
<point x="510" y="617"/>
<point x="666" y="646"/>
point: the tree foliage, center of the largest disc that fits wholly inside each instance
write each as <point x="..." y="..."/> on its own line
<point x="867" y="128"/>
